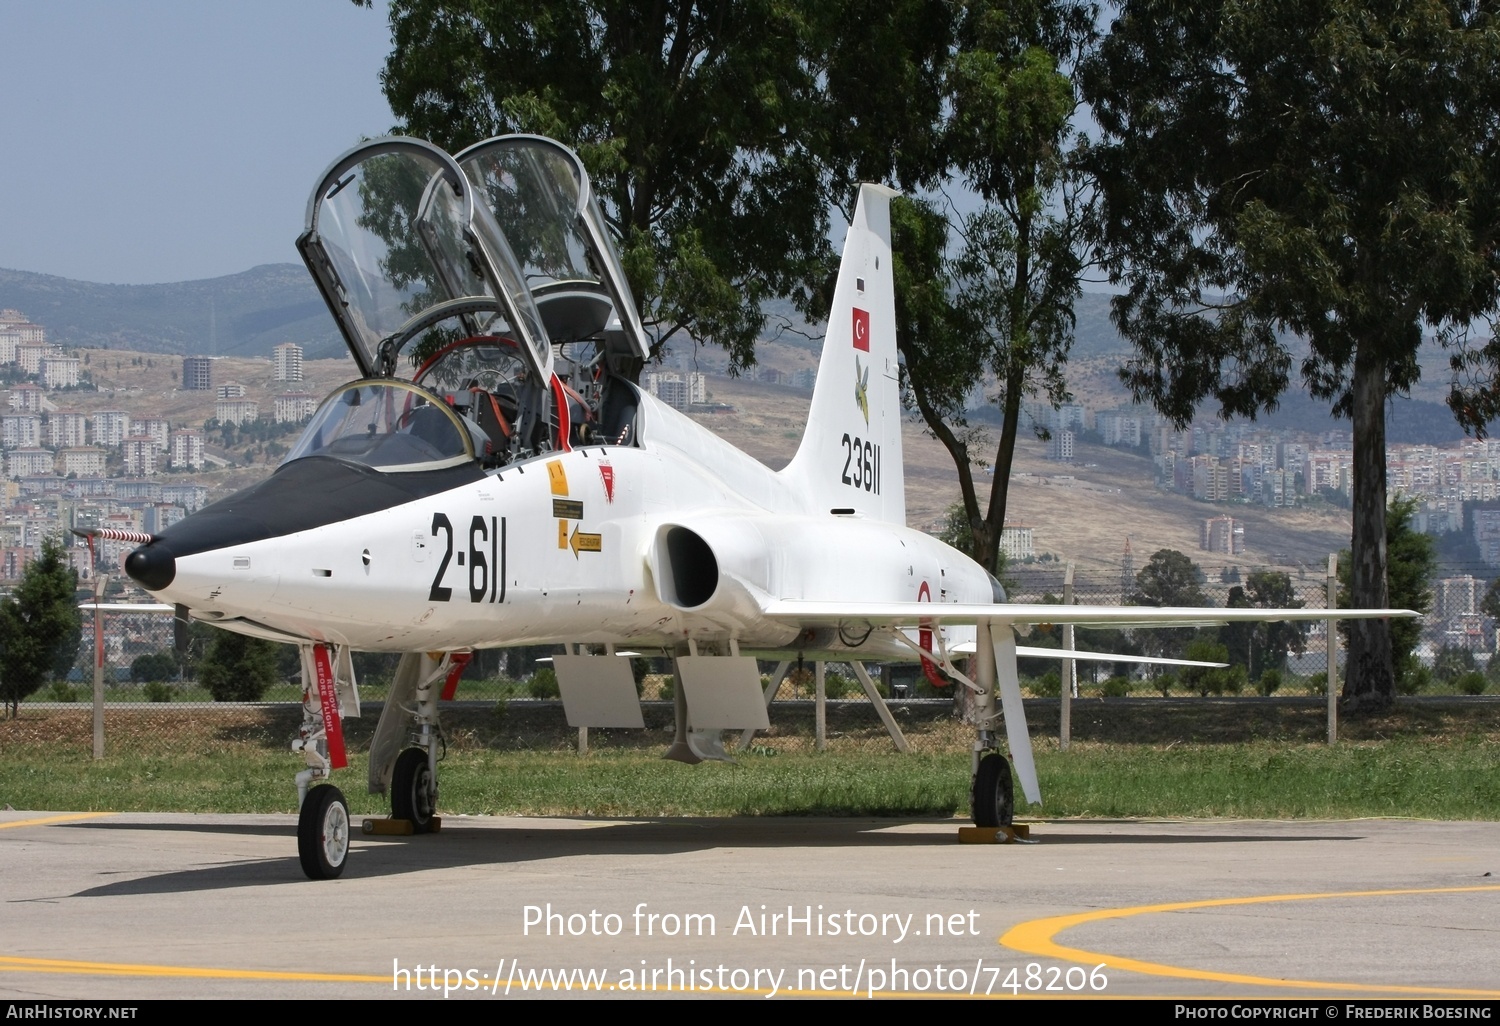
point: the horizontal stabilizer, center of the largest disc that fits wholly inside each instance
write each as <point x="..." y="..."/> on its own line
<point x="1028" y="652"/>
<point x="911" y="614"/>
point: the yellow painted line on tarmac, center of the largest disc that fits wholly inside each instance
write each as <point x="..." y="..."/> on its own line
<point x="1036" y="937"/>
<point x="58" y="965"/>
<point x="43" y="821"/>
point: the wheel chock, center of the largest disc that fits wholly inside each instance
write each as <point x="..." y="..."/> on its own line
<point x="388" y="827"/>
<point x="1013" y="834"/>
<point x="399" y="827"/>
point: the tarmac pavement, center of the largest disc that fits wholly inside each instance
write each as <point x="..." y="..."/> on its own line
<point x="131" y="906"/>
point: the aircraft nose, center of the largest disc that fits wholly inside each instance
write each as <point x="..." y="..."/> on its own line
<point x="152" y="566"/>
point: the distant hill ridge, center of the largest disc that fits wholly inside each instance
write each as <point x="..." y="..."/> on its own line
<point x="243" y="314"/>
<point x="246" y="314"/>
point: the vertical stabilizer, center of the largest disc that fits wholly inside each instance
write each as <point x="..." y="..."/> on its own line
<point x="850" y="457"/>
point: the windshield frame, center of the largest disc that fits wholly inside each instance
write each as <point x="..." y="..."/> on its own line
<point x="326" y="416"/>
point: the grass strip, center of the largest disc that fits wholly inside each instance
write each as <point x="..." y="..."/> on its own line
<point x="1429" y="778"/>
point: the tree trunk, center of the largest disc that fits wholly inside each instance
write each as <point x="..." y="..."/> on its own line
<point x="1370" y="677"/>
<point x="1005" y="458"/>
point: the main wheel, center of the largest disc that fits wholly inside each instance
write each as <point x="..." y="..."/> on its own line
<point x="413" y="796"/>
<point x="323" y="833"/>
<point x="992" y="797"/>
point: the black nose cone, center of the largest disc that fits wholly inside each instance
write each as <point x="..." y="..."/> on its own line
<point x="152" y="566"/>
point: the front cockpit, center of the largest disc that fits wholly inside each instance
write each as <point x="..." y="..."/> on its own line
<point x="391" y="426"/>
<point x="490" y="320"/>
<point x="482" y="300"/>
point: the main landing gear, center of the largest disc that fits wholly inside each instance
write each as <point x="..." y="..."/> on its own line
<point x="408" y="741"/>
<point x="414" y="790"/>
<point x="992" y="795"/>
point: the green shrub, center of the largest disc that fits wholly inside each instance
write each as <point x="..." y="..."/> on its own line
<point x="1116" y="687"/>
<point x="1165" y="682"/>
<point x="1413" y="679"/>
<point x="836" y="685"/>
<point x="62" y="691"/>
<point x="157" y="691"/>
<point x="1048" y="685"/>
<point x="543" y="684"/>
<point x="1471" y="683"/>
<point x="238" y="668"/>
<point x="1269" y="683"/>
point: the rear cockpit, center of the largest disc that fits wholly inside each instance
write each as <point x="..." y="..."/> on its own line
<point x="482" y="300"/>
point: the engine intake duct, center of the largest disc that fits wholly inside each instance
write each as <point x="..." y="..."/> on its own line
<point x="689" y="571"/>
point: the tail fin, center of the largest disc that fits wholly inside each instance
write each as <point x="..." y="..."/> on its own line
<point x="850" y="457"/>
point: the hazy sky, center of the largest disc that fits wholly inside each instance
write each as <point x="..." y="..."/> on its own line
<point x="166" y="140"/>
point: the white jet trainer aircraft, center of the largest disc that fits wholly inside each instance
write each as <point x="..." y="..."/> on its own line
<point x="496" y="478"/>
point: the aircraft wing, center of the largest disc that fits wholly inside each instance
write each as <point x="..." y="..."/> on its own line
<point x="910" y="614"/>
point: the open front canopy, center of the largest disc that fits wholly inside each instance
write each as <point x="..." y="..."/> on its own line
<point x="385" y="239"/>
<point x="396" y="228"/>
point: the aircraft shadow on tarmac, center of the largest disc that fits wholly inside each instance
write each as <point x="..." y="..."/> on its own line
<point x="457" y="847"/>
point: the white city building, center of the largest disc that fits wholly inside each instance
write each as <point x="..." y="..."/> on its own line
<point x="20" y="431"/>
<point x="60" y="371"/>
<point x="236" y="411"/>
<point x="287" y="359"/>
<point x="67" y="429"/>
<point x="111" y="427"/>
<point x="187" y="450"/>
<point x="293" y="407"/>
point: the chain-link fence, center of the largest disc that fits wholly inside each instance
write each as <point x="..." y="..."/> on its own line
<point x="159" y="697"/>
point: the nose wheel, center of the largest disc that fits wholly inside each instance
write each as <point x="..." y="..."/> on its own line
<point x="323" y="833"/>
<point x="992" y="796"/>
<point x="414" y="790"/>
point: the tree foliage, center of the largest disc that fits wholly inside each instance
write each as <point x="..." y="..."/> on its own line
<point x="716" y="132"/>
<point x="1264" y="646"/>
<point x="1002" y="304"/>
<point x="153" y="666"/>
<point x="238" y="668"/>
<point x="1169" y="578"/>
<point x="1412" y="562"/>
<point x="40" y="626"/>
<point x="1326" y="169"/>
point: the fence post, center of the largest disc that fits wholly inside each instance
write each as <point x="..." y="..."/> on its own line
<point x="1069" y="681"/>
<point x="820" y="705"/>
<point x="1333" y="649"/>
<point x="100" y="581"/>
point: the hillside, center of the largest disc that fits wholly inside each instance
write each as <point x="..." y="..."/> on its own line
<point x="239" y="315"/>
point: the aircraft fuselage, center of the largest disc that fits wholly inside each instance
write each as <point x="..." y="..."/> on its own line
<point x="645" y="546"/>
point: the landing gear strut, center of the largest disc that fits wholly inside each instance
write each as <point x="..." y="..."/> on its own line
<point x="323" y="833"/>
<point x="329" y="694"/>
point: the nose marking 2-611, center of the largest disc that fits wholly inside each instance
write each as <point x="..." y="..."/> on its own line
<point x="484" y="559"/>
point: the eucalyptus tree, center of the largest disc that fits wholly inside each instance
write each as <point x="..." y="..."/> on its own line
<point x="996" y="306"/>
<point x="1304" y="188"/>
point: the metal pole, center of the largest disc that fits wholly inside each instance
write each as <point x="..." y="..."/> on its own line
<point x="100" y="582"/>
<point x="1333" y="650"/>
<point x="1069" y="670"/>
<point x="820" y="703"/>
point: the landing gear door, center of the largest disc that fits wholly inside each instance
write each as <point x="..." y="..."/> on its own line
<point x="389" y="235"/>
